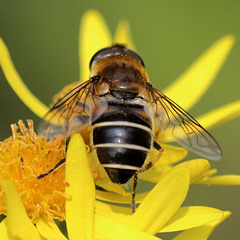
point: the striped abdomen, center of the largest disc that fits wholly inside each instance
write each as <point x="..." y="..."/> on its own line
<point x="122" y="136"/>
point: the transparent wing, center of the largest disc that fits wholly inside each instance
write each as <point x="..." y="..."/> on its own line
<point x="182" y="127"/>
<point x="72" y="113"/>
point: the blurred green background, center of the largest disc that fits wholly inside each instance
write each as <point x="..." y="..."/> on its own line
<point x="42" y="37"/>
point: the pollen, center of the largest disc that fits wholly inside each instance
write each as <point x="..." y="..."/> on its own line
<point x="25" y="155"/>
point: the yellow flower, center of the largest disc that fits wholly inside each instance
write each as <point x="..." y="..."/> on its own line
<point x="88" y="219"/>
<point x="160" y="210"/>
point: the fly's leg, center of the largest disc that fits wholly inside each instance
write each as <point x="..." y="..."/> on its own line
<point x="143" y="169"/>
<point x="134" y="185"/>
<point x="55" y="168"/>
<point x="151" y="163"/>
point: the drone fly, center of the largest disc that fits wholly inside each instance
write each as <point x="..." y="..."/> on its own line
<point x="124" y="112"/>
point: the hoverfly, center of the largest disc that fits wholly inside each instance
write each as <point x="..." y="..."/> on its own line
<point x="124" y="111"/>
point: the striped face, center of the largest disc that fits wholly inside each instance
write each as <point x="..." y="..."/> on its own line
<point x="122" y="137"/>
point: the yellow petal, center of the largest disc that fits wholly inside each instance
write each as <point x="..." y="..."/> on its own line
<point x="155" y="175"/>
<point x="17" y="84"/>
<point x="220" y="115"/>
<point x="80" y="208"/>
<point x="102" y="179"/>
<point x="190" y="217"/>
<point x="116" y="198"/>
<point x="203" y="232"/>
<point x="162" y="202"/>
<point x="112" y="187"/>
<point x="108" y="229"/>
<point x="93" y="35"/>
<point x="113" y="212"/>
<point x="228" y="180"/>
<point x="200" y="75"/>
<point x="171" y="155"/>
<point x="18" y="224"/>
<point x="49" y="231"/>
<point x="205" y="176"/>
<point x="123" y="34"/>
<point x="197" y="168"/>
<point x="3" y="230"/>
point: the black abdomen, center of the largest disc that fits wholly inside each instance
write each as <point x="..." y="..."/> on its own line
<point x="122" y="137"/>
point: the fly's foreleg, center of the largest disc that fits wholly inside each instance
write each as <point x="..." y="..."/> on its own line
<point x="55" y="168"/>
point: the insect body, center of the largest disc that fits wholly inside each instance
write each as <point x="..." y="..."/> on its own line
<point x="122" y="138"/>
<point x="124" y="112"/>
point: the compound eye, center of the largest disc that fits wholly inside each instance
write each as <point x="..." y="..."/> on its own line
<point x="115" y="50"/>
<point x="99" y="55"/>
<point x="139" y="59"/>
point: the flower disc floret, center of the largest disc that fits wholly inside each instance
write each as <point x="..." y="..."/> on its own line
<point x="25" y="155"/>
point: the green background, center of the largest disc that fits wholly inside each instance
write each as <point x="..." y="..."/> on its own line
<point x="42" y="38"/>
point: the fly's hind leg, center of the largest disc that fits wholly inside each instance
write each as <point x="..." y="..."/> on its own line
<point x="134" y="185"/>
<point x="155" y="159"/>
<point x="143" y="169"/>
